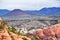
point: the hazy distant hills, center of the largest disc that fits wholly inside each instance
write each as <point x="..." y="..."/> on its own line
<point x="3" y="11"/>
<point x="50" y="11"/>
<point x="53" y="11"/>
<point x="16" y="12"/>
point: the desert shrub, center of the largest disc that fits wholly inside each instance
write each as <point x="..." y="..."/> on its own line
<point x="1" y="27"/>
<point x="12" y="38"/>
<point x="35" y="38"/>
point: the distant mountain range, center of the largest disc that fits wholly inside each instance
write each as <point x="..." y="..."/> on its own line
<point x="16" y="12"/>
<point x="3" y="11"/>
<point x="53" y="11"/>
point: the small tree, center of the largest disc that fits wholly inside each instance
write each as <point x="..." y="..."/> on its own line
<point x="13" y="30"/>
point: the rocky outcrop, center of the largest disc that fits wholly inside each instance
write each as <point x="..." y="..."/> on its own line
<point x="50" y="33"/>
<point x="3" y="31"/>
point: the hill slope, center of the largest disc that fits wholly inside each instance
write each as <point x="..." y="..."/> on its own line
<point x="53" y="11"/>
<point x="16" y="12"/>
<point x="3" y="12"/>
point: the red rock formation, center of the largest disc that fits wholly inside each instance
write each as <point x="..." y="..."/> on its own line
<point x="15" y="36"/>
<point x="52" y="31"/>
<point x="40" y="34"/>
<point x="57" y="30"/>
<point x="48" y="32"/>
<point x="4" y="35"/>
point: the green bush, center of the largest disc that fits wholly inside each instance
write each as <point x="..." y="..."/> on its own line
<point x="12" y="38"/>
<point x="1" y="27"/>
<point x="35" y="38"/>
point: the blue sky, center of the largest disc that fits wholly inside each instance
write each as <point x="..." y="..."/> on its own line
<point x="28" y="4"/>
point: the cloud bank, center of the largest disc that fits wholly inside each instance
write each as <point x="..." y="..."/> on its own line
<point x="28" y="4"/>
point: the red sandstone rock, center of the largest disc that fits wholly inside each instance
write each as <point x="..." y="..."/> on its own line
<point x="51" y="31"/>
<point x="40" y="34"/>
<point x="15" y="36"/>
<point x="57" y="31"/>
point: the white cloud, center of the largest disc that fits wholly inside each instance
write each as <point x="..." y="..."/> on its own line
<point x="28" y="4"/>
